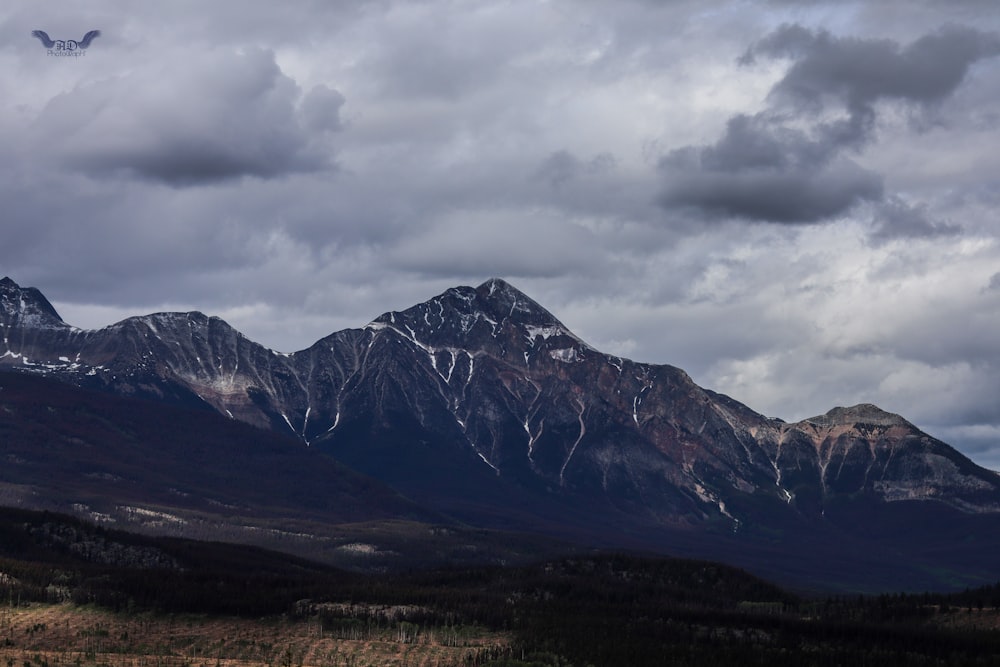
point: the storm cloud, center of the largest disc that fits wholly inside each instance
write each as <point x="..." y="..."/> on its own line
<point x="797" y="162"/>
<point x="857" y="73"/>
<point x="234" y="115"/>
<point x="762" y="170"/>
<point x="895" y="219"/>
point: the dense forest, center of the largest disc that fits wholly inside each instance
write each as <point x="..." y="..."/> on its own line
<point x="600" y="609"/>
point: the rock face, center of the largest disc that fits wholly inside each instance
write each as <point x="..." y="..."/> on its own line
<point x="480" y="403"/>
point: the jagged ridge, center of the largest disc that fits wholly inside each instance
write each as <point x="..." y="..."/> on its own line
<point x="482" y="393"/>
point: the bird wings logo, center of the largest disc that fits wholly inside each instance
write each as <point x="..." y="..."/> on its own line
<point x="65" y="47"/>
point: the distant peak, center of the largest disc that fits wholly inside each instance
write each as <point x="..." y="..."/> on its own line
<point x="26" y="306"/>
<point x="493" y="307"/>
<point x="498" y="289"/>
<point x="9" y="288"/>
<point x="507" y="301"/>
<point x="494" y="284"/>
<point x="865" y="413"/>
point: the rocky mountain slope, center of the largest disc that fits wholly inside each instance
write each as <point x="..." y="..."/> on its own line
<point x="481" y="405"/>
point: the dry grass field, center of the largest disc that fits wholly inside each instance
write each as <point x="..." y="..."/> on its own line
<point x="66" y="635"/>
<point x="970" y="619"/>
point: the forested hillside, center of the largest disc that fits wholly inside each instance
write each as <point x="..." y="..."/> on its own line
<point x="581" y="610"/>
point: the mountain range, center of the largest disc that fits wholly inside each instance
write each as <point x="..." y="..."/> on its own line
<point x="479" y="409"/>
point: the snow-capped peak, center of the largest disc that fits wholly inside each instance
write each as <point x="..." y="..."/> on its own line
<point x="26" y="307"/>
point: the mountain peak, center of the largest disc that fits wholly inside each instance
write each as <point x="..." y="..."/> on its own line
<point x="494" y="317"/>
<point x="498" y="284"/>
<point x="25" y="307"/>
<point x="494" y="301"/>
<point x="506" y="301"/>
<point x="866" y="413"/>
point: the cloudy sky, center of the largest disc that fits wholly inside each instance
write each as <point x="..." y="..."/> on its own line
<point x="796" y="202"/>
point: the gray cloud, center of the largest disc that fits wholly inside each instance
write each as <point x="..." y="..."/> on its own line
<point x="427" y="53"/>
<point x="561" y="167"/>
<point x="859" y="72"/>
<point x="760" y="170"/>
<point x="514" y="243"/>
<point x="232" y="116"/>
<point x="320" y="109"/>
<point x="895" y="219"/>
<point x="767" y="168"/>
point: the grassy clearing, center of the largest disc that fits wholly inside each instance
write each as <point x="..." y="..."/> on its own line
<point x="66" y="635"/>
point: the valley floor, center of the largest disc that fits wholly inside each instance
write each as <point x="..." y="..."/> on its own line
<point x="67" y="635"/>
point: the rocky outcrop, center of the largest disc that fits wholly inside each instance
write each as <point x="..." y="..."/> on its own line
<point x="865" y="450"/>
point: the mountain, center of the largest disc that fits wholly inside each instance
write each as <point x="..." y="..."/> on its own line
<point x="133" y="462"/>
<point x="481" y="406"/>
<point x="150" y="467"/>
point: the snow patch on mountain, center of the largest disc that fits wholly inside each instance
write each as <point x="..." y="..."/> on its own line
<point x="566" y="354"/>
